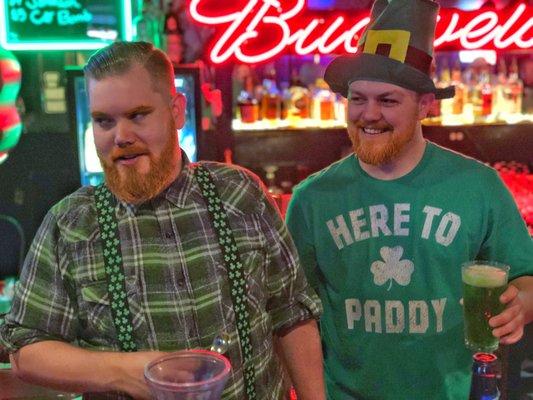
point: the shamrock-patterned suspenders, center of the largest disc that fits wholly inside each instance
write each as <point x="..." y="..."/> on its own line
<point x="116" y="287"/>
<point x="234" y="268"/>
<point x="105" y="206"/>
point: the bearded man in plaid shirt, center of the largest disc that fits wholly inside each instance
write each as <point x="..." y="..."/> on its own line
<point x="62" y="329"/>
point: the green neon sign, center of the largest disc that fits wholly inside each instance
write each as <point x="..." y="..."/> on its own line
<point x="63" y="24"/>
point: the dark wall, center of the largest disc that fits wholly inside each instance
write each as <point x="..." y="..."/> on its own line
<point x="43" y="167"/>
<point x="39" y="171"/>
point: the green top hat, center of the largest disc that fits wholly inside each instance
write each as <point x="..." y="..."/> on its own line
<point x="396" y="47"/>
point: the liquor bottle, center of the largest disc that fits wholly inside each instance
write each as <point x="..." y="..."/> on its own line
<point x="485" y="374"/>
<point x="474" y="94"/>
<point x="285" y="98"/>
<point x="259" y="92"/>
<point x="457" y="81"/>
<point x="270" y="179"/>
<point x="472" y="99"/>
<point x="271" y="101"/>
<point x="445" y="75"/>
<point x="324" y="101"/>
<point x="247" y="104"/>
<point x="446" y="105"/>
<point x="300" y="99"/>
<point x="341" y="109"/>
<point x="515" y="88"/>
<point x="500" y="105"/>
<point x="434" y="110"/>
<point x="486" y="94"/>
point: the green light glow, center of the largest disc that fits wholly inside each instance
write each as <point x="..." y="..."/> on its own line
<point x="127" y="18"/>
<point x="9" y="92"/>
<point x="10" y="138"/>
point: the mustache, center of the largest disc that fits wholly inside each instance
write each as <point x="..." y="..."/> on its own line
<point x="381" y="126"/>
<point x="128" y="151"/>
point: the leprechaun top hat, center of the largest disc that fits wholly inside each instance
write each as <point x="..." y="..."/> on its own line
<point x="396" y="47"/>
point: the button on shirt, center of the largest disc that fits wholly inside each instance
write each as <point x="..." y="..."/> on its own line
<point x="175" y="277"/>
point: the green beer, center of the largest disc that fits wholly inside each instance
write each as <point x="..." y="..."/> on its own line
<point x="483" y="283"/>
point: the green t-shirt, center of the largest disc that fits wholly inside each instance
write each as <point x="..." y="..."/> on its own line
<point x="385" y="258"/>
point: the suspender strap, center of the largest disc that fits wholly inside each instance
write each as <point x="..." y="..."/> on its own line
<point x="235" y="271"/>
<point x="116" y="287"/>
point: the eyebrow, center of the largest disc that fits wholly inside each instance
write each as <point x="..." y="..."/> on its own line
<point x="98" y="114"/>
<point x="139" y="110"/>
<point x="135" y="110"/>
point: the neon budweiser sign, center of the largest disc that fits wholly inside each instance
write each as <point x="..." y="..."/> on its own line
<point x="253" y="31"/>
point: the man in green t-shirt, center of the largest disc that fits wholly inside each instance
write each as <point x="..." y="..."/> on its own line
<point x="383" y="232"/>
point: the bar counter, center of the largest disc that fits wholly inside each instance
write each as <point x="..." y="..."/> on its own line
<point x="317" y="148"/>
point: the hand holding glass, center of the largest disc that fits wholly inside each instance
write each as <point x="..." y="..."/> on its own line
<point x="483" y="283"/>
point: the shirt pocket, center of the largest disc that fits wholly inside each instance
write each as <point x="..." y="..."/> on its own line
<point x="254" y="268"/>
<point x="95" y="312"/>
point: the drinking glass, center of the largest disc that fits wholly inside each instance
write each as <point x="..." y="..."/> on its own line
<point x="187" y="375"/>
<point x="483" y="283"/>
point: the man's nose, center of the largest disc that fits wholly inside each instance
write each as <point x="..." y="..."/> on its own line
<point x="372" y="111"/>
<point x="124" y="134"/>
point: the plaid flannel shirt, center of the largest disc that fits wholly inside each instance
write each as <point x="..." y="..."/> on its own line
<point x="176" y="279"/>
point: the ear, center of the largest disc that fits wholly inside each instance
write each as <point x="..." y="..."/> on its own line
<point x="424" y="104"/>
<point x="179" y="104"/>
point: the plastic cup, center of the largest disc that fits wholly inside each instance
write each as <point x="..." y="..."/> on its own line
<point x="483" y="283"/>
<point x="188" y="375"/>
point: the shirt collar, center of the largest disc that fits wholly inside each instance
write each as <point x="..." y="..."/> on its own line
<point x="179" y="191"/>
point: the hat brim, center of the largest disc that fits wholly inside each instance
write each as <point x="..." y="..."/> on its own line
<point x="374" y="67"/>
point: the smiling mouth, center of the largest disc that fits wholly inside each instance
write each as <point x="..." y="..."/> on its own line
<point x="373" y="131"/>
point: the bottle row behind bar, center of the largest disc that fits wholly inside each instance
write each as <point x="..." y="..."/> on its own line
<point x="483" y="95"/>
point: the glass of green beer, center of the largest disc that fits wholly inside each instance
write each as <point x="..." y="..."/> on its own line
<point x="483" y="283"/>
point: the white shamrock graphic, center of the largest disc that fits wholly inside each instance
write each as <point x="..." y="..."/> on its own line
<point x="392" y="268"/>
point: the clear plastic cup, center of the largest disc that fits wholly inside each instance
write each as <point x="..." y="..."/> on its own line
<point x="188" y="375"/>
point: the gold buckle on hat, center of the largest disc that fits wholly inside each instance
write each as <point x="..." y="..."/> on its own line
<point x="396" y="38"/>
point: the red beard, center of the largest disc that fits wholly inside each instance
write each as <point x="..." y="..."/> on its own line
<point x="378" y="152"/>
<point x="133" y="187"/>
